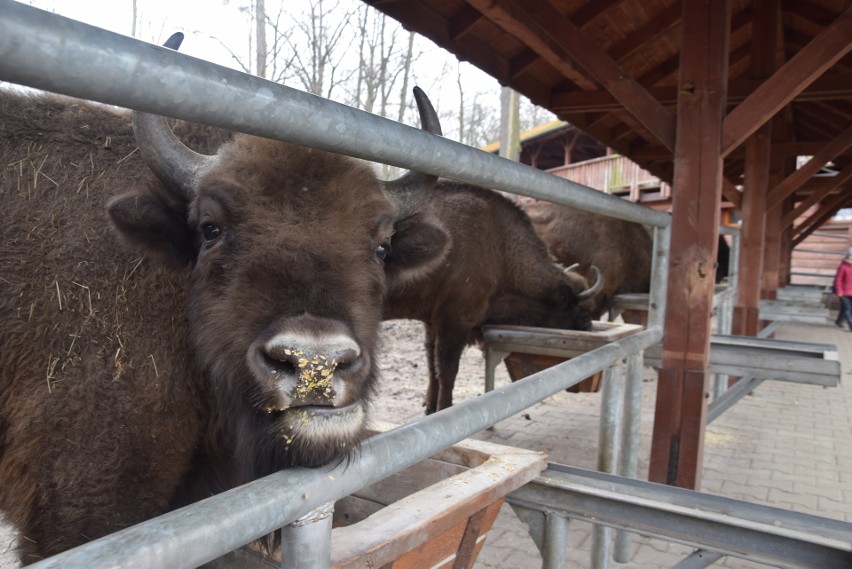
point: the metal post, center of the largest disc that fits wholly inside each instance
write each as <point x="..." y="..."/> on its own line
<point x="306" y="543"/>
<point x="723" y="326"/>
<point x="725" y="310"/>
<point x="492" y="360"/>
<point x="554" y="553"/>
<point x="659" y="277"/>
<point x="631" y="425"/>
<point x="612" y="403"/>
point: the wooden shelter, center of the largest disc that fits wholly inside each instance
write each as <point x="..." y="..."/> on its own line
<point x="709" y="96"/>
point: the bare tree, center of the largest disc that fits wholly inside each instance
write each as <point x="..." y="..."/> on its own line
<point x="260" y="34"/>
<point x="318" y="49"/>
<point x="406" y="75"/>
<point x="385" y="59"/>
<point x="532" y="115"/>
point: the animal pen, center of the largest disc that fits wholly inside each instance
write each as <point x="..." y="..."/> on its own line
<point x="48" y="52"/>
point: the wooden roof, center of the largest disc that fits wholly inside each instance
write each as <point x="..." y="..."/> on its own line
<point x="624" y="72"/>
<point x="610" y="67"/>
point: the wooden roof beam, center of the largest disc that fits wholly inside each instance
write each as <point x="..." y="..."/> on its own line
<point x="558" y="40"/>
<point x="730" y="193"/>
<point x="785" y="84"/>
<point x="822" y="193"/>
<point x="463" y="21"/>
<point x="794" y="181"/>
<point x="823" y="89"/>
<point x="663" y="22"/>
<point x="591" y="10"/>
<point x="823" y="214"/>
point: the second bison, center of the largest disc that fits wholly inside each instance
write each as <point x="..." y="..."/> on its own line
<point x="493" y="269"/>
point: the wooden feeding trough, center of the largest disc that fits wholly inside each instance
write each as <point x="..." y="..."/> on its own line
<point x="526" y="350"/>
<point x="434" y="514"/>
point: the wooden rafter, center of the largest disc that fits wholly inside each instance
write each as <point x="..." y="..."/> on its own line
<point x="823" y="89"/>
<point x="795" y="180"/>
<point x="665" y="21"/>
<point x="730" y="193"/>
<point x="561" y="42"/>
<point x="463" y="21"/>
<point x="791" y="79"/>
<point x="818" y="195"/>
<point x="823" y="214"/>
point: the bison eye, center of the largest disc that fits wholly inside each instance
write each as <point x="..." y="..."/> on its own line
<point x="211" y="232"/>
<point x="382" y="251"/>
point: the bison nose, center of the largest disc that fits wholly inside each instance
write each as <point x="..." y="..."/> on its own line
<point x="289" y="354"/>
<point x="305" y="370"/>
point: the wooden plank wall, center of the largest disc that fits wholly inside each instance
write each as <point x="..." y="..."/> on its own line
<point x="833" y="237"/>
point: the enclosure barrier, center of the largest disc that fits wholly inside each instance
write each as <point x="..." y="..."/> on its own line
<point x="49" y="52"/>
<point x="717" y="526"/>
<point x="208" y="529"/>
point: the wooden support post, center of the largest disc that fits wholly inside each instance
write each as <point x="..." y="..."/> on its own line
<point x="746" y="322"/>
<point x="765" y="18"/>
<point x="772" y="245"/>
<point x="677" y="446"/>
<point x="786" y="246"/>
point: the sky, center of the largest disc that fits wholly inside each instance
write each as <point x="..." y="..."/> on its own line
<point x="211" y="23"/>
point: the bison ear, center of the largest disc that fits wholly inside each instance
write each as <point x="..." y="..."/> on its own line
<point x="155" y="223"/>
<point x="418" y="247"/>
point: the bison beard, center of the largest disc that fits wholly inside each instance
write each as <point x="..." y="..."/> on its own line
<point x="132" y="383"/>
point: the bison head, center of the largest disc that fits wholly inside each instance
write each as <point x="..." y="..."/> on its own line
<point x="286" y="247"/>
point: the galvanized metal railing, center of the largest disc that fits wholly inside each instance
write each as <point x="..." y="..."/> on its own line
<point x="53" y="53"/>
<point x="49" y="52"/>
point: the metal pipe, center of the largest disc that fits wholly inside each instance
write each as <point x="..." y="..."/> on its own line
<point x="699" y="560"/>
<point x="306" y="543"/>
<point x="659" y="277"/>
<point x="256" y="509"/>
<point x="631" y="426"/>
<point x="554" y="554"/>
<point x="773" y="536"/>
<point x="612" y="403"/>
<point x="49" y="52"/>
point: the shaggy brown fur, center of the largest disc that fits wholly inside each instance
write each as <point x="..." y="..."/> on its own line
<point x="620" y="249"/>
<point x="130" y="386"/>
<point x="496" y="271"/>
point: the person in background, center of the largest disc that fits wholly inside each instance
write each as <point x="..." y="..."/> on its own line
<point x="843" y="289"/>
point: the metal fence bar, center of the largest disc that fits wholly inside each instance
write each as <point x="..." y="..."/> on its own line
<point x="773" y="536"/>
<point x="46" y="51"/>
<point x="628" y="459"/>
<point x="306" y="543"/>
<point x="612" y="405"/>
<point x="659" y="276"/>
<point x="554" y="554"/>
<point x="699" y="560"/>
<point x="234" y="518"/>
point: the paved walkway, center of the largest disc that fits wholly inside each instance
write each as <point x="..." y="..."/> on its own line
<point x="786" y="445"/>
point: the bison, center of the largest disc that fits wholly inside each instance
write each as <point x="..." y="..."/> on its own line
<point x="494" y="270"/>
<point x="622" y="250"/>
<point x="235" y="334"/>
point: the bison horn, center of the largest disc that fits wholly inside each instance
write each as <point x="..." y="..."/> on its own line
<point x="572" y="268"/>
<point x="595" y="288"/>
<point x="172" y="162"/>
<point x="405" y="191"/>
